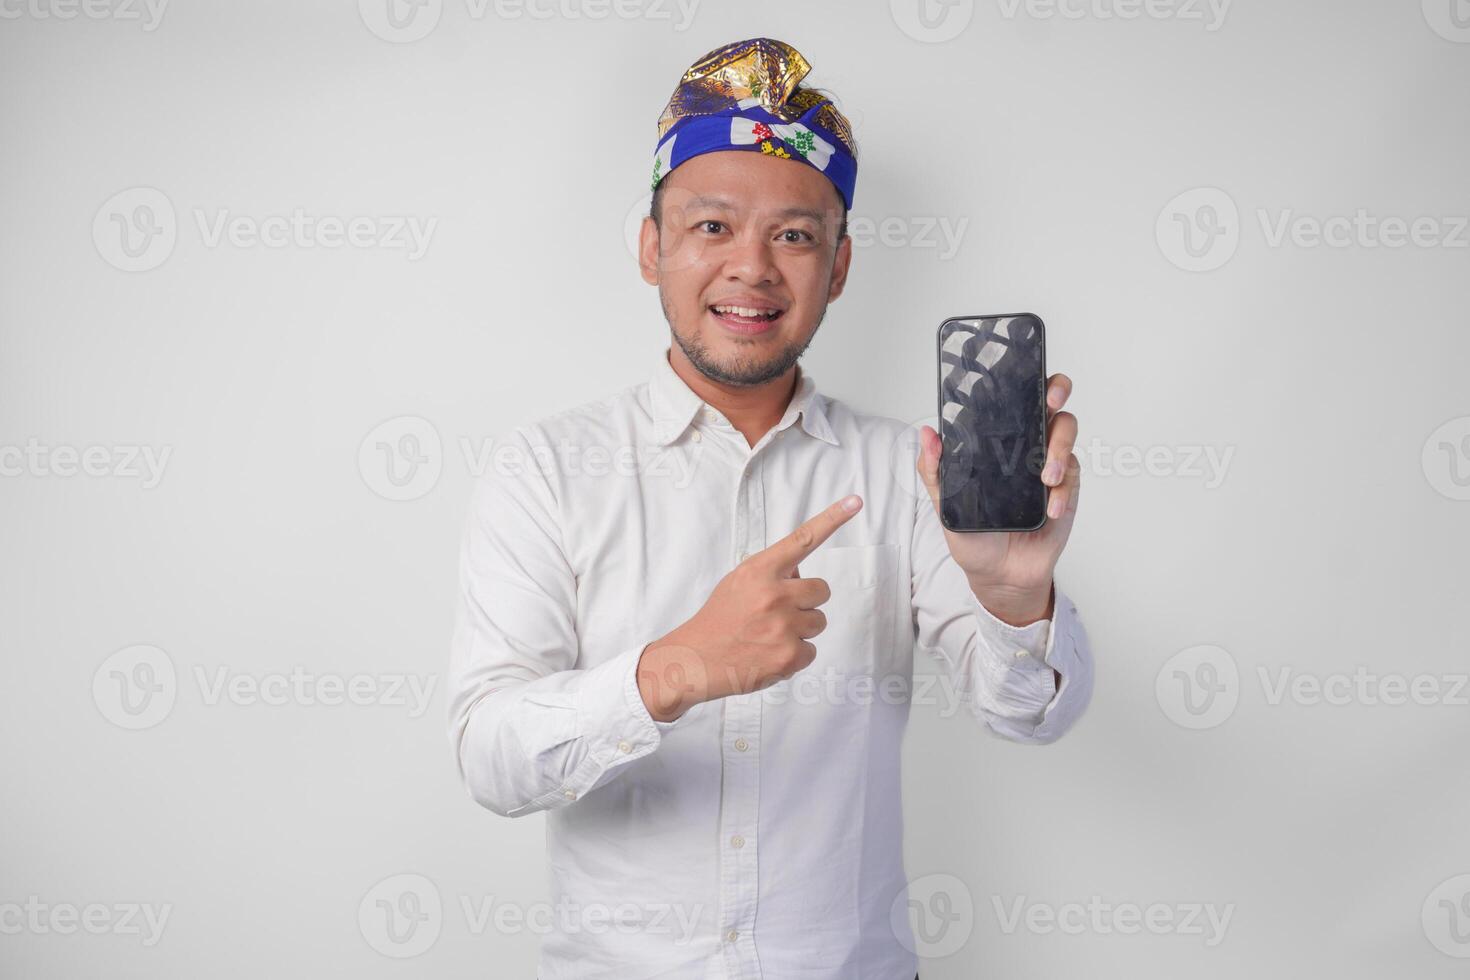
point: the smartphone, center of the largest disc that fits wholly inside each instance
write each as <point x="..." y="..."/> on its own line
<point x="992" y="422"/>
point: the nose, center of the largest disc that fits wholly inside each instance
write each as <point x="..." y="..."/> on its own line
<point x="752" y="260"/>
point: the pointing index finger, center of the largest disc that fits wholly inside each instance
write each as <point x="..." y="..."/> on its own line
<point x="786" y="553"/>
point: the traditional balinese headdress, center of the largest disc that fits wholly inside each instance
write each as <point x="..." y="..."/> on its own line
<point x="746" y="96"/>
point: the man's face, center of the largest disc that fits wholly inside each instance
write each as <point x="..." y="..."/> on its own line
<point x="753" y="232"/>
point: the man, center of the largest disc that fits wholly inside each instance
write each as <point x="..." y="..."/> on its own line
<point x="698" y="662"/>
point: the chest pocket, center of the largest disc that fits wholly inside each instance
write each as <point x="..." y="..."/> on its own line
<point x="859" y="636"/>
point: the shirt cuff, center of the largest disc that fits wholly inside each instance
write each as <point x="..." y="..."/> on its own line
<point x="1027" y="647"/>
<point x="1026" y="661"/>
<point x="613" y="722"/>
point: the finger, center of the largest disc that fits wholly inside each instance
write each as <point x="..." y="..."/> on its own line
<point x="784" y="555"/>
<point x="928" y="461"/>
<point x="810" y="623"/>
<point x="1058" y="390"/>
<point x="808" y="593"/>
<point x="1059" y="447"/>
<point x="1063" y="499"/>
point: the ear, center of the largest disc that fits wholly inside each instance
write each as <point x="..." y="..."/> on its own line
<point x="840" y="263"/>
<point x="648" y="251"/>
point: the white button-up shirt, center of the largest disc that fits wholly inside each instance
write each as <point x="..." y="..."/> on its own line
<point x="758" y="835"/>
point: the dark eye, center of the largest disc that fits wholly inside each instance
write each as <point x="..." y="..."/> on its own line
<point x="711" y="226"/>
<point x="801" y="236"/>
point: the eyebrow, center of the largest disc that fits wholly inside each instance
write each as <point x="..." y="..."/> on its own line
<point x="789" y="212"/>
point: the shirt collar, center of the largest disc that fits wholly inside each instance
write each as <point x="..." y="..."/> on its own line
<point x="674" y="405"/>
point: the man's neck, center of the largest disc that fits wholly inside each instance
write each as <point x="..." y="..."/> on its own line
<point x="753" y="409"/>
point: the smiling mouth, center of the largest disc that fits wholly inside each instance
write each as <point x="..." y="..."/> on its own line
<point x="745" y="317"/>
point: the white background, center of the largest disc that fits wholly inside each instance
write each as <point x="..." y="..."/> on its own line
<point x="1058" y="140"/>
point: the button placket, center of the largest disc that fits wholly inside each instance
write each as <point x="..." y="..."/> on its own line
<point x="740" y="772"/>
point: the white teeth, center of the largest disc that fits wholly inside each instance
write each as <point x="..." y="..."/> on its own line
<point x="744" y="311"/>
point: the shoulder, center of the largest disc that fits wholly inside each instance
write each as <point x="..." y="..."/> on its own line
<point x="619" y="411"/>
<point x="590" y="436"/>
<point x="858" y="427"/>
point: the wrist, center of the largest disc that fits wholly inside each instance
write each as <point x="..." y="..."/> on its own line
<point x="1012" y="605"/>
<point x="668" y="679"/>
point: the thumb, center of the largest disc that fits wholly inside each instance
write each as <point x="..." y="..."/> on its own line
<point x="928" y="462"/>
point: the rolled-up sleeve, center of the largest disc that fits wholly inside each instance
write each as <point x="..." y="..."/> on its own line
<point x="530" y="727"/>
<point x="1004" y="673"/>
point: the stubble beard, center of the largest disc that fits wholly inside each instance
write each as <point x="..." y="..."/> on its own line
<point x="744" y="372"/>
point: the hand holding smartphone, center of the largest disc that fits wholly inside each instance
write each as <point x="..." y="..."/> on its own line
<point x="992" y="422"/>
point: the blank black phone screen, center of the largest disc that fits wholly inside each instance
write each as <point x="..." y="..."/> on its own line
<point x="992" y="415"/>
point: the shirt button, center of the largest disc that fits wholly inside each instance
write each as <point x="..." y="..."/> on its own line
<point x="737" y="842"/>
<point x="744" y="555"/>
<point x="741" y="745"/>
<point x="695" y="435"/>
<point x="731" y="936"/>
<point x="624" y="747"/>
<point x="570" y="794"/>
<point x="1022" y="654"/>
